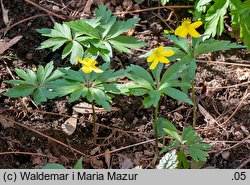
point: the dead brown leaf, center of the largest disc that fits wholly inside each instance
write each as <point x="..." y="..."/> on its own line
<point x="5" y="122"/>
<point x="107" y="158"/>
<point x="6" y="45"/>
<point x="5" y="12"/>
<point x="69" y="126"/>
<point x="95" y="150"/>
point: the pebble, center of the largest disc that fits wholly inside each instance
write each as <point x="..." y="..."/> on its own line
<point x="55" y="8"/>
<point x="225" y="155"/>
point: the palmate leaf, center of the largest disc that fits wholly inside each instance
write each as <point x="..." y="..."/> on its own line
<point x="166" y="126"/>
<point x="41" y="85"/>
<point x="194" y="144"/>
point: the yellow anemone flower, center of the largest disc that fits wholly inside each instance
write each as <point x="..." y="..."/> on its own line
<point x="89" y="65"/>
<point x="187" y="27"/>
<point x="159" y="55"/>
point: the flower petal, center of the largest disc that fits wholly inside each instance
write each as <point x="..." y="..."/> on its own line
<point x="79" y="60"/>
<point x="86" y="69"/>
<point x="97" y="69"/>
<point x="168" y="53"/>
<point x="160" y="49"/>
<point x="163" y="59"/>
<point x="154" y="64"/>
<point x="196" y="24"/>
<point x="151" y="58"/>
<point x="193" y="32"/>
<point x="181" y="31"/>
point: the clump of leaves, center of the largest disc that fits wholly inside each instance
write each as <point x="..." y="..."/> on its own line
<point x="89" y="38"/>
<point x="186" y="142"/>
<point x="213" y="12"/>
<point x="40" y="85"/>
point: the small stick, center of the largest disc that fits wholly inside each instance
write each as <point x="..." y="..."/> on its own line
<point x="45" y="10"/>
<point x="154" y="8"/>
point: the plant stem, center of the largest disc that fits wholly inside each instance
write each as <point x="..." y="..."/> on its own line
<point x="156" y="130"/>
<point x="194" y="106"/>
<point x="94" y="121"/>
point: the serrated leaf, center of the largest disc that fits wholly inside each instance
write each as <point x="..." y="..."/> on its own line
<point x="168" y="161"/>
<point x="215" y="17"/>
<point x="101" y="98"/>
<point x="194" y="144"/>
<point x="169" y="128"/>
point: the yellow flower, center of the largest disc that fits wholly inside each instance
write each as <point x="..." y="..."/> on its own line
<point x="89" y="65"/>
<point x="159" y="55"/>
<point x="188" y="28"/>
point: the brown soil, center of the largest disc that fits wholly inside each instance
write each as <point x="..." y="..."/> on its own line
<point x="131" y="116"/>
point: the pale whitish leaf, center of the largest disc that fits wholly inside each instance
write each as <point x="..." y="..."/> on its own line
<point x="168" y="161"/>
<point x="69" y="126"/>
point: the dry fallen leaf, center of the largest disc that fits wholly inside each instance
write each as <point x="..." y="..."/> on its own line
<point x="95" y="150"/>
<point x="69" y="126"/>
<point x="6" y="45"/>
<point x="107" y="158"/>
<point x="5" y="122"/>
<point x="208" y="118"/>
<point x="5" y="12"/>
<point x="127" y="163"/>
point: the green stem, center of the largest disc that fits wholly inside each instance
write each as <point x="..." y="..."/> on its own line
<point x="156" y="130"/>
<point x="194" y="106"/>
<point x="94" y="121"/>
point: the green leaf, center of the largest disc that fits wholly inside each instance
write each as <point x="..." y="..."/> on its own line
<point x="101" y="98"/>
<point x="181" y="42"/>
<point x="140" y="75"/>
<point x="75" y="95"/>
<point x="77" y="51"/>
<point x="53" y="43"/>
<point x="177" y="94"/>
<point x="176" y="70"/>
<point x="128" y="42"/>
<point x="40" y="85"/>
<point x="152" y="99"/>
<point x="182" y="160"/>
<point x="120" y="27"/>
<point x="212" y="45"/>
<point x="78" y="165"/>
<point x="194" y="144"/>
<point x="53" y="166"/>
<point x="169" y="128"/>
<point x="67" y="50"/>
<point x="20" y="91"/>
<point x="68" y="89"/>
<point x="175" y="144"/>
<point x="168" y="161"/>
<point x="215" y="17"/>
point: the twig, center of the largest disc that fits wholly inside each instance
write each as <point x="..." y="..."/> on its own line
<point x="234" y="146"/>
<point x="225" y="63"/>
<point x="23" y="20"/>
<point x="244" y="163"/>
<point x="125" y="147"/>
<point x="226" y="87"/>
<point x="154" y="8"/>
<point x="165" y="22"/>
<point x="45" y="10"/>
<point x="238" y="106"/>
